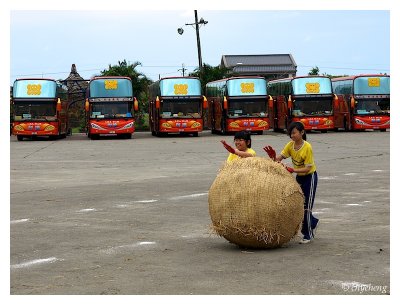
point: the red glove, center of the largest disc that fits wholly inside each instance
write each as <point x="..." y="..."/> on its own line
<point x="289" y="169"/>
<point x="228" y="147"/>
<point x="270" y="151"/>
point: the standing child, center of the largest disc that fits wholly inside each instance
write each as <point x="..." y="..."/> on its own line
<point x="303" y="162"/>
<point x="243" y="146"/>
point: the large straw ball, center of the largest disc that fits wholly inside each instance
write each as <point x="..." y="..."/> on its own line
<point x="256" y="203"/>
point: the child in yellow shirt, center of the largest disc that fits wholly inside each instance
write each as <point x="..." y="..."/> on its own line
<point x="243" y="149"/>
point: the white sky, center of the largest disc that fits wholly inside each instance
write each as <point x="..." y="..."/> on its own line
<point x="46" y="43"/>
<point x="335" y="35"/>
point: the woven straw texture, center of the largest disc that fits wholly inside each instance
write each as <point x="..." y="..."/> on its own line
<point x="255" y="203"/>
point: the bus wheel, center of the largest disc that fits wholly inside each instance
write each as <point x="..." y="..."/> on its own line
<point x="20" y="138"/>
<point x="324" y="131"/>
<point x="382" y="130"/>
<point x="259" y="132"/>
<point x="128" y="136"/>
<point x="153" y="133"/>
<point x="94" y="136"/>
<point x="195" y="134"/>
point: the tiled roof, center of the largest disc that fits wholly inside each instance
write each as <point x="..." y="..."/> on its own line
<point x="270" y="63"/>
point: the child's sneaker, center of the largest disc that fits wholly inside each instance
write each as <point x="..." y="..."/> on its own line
<point x="304" y="241"/>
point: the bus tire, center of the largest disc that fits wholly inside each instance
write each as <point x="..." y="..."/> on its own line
<point x="259" y="132"/>
<point x="20" y="138"/>
<point x="153" y="133"/>
<point x="382" y="130"/>
<point x="195" y="134"/>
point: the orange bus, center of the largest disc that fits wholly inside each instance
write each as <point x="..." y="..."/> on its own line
<point x="308" y="99"/>
<point x="238" y="103"/>
<point x="39" y="108"/>
<point x="110" y="107"/>
<point x="363" y="102"/>
<point x="176" y="106"/>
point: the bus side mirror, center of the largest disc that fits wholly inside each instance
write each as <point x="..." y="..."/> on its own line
<point x="58" y="105"/>
<point x="270" y="102"/>
<point x="157" y="103"/>
<point x="135" y="104"/>
<point x="225" y="103"/>
<point x="87" y="105"/>
<point x="290" y="103"/>
<point x="335" y="102"/>
<point x="205" y="103"/>
<point x="352" y="103"/>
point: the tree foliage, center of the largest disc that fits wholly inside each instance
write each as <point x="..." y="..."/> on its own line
<point x="209" y="74"/>
<point x="314" y="71"/>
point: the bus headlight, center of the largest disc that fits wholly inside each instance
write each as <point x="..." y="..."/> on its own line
<point x="18" y="128"/>
<point x="359" y="122"/>
<point x="49" y="128"/>
<point x="129" y="125"/>
<point x="95" y="126"/>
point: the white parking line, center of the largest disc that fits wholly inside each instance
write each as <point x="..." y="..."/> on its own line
<point x="35" y="262"/>
<point x="188" y="196"/>
<point x="19" y="220"/>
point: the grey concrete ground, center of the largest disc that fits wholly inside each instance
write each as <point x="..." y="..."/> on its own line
<point x="116" y="216"/>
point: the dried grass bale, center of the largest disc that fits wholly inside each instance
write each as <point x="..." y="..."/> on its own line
<point x="256" y="203"/>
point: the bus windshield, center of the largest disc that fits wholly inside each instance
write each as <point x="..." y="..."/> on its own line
<point x="34" y="88"/>
<point x="189" y="108"/>
<point x="31" y="110"/>
<point x="118" y="87"/>
<point x="316" y="106"/>
<point x="256" y="107"/>
<point x="110" y="110"/>
<point x="372" y="85"/>
<point x="372" y="106"/>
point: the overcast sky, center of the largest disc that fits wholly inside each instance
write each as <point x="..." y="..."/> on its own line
<point x="46" y="43"/>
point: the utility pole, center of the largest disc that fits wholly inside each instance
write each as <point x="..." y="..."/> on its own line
<point x="183" y="70"/>
<point x="198" y="41"/>
<point x="196" y="23"/>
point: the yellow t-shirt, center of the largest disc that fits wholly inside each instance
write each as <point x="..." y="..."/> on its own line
<point x="232" y="157"/>
<point x="300" y="158"/>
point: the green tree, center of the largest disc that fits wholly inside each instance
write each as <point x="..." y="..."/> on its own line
<point x="209" y="74"/>
<point x="314" y="71"/>
<point x="140" y="85"/>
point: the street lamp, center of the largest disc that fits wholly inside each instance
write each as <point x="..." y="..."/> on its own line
<point x="196" y="22"/>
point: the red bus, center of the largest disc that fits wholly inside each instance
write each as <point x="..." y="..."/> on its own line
<point x="363" y="102"/>
<point x="238" y="103"/>
<point x="110" y="107"/>
<point x="176" y="106"/>
<point x="308" y="99"/>
<point x="39" y="108"/>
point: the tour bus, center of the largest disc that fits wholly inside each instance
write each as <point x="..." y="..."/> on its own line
<point x="238" y="103"/>
<point x="40" y="108"/>
<point x="308" y="99"/>
<point x="110" y="107"/>
<point x="363" y="102"/>
<point x="176" y="105"/>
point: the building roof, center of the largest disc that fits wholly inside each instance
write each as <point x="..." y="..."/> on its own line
<point x="260" y="64"/>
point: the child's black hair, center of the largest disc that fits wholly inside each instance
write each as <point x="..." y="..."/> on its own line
<point x="245" y="136"/>
<point x="299" y="126"/>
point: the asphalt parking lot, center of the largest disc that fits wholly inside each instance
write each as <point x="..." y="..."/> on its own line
<point x="130" y="216"/>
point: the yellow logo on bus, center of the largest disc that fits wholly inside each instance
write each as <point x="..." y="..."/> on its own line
<point x="111" y="84"/>
<point x="312" y="87"/>
<point x="34" y="89"/>
<point x="181" y="89"/>
<point x="374" y="82"/>
<point x="247" y="87"/>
